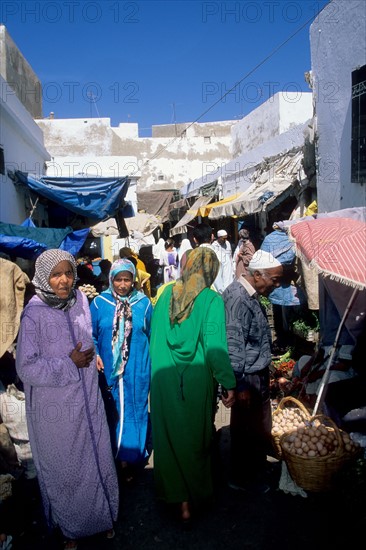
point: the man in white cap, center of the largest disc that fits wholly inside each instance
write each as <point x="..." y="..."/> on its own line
<point x="249" y="344"/>
<point x="223" y="251"/>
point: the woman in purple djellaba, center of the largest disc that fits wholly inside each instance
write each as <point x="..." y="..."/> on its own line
<point x="67" y="424"/>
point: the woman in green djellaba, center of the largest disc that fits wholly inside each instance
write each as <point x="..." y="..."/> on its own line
<point x="189" y="359"/>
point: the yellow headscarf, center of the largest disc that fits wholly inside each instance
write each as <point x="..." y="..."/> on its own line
<point x="199" y="272"/>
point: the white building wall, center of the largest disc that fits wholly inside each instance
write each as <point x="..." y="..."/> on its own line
<point x="128" y="130"/>
<point x="294" y="108"/>
<point x="22" y="141"/>
<point x="338" y="46"/>
<point x="167" y="162"/>
<point x="278" y="114"/>
<point x="77" y="136"/>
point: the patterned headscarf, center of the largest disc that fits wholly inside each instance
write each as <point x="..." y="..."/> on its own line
<point x="45" y="263"/>
<point x="199" y="272"/>
<point x="122" y="321"/>
<point x="244" y="234"/>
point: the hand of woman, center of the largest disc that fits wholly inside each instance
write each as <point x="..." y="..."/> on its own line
<point x="100" y="365"/>
<point x="229" y="400"/>
<point x="82" y="359"/>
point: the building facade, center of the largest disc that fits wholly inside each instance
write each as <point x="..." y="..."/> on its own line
<point x="338" y="61"/>
<point x="173" y="156"/>
<point x="21" y="140"/>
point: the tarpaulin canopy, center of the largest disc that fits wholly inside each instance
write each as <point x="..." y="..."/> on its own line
<point x="156" y="203"/>
<point x="28" y="242"/>
<point x="142" y="223"/>
<point x="181" y="226"/>
<point x="206" y="209"/>
<point x="270" y="183"/>
<point x="255" y="199"/>
<point x="96" y="198"/>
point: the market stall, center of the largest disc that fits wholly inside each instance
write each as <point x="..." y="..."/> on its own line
<point x="316" y="445"/>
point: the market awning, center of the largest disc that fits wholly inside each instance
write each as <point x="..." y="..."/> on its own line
<point x="156" y="203"/>
<point x="256" y="198"/>
<point x="273" y="180"/>
<point x="181" y="226"/>
<point x="177" y="205"/>
<point x="205" y="210"/>
<point x="95" y="198"/>
<point x="142" y="223"/>
<point x="334" y="247"/>
<point x="28" y="241"/>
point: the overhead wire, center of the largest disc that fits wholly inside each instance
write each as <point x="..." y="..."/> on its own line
<point x="271" y="54"/>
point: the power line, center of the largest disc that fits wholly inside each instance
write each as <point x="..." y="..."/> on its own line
<point x="271" y="54"/>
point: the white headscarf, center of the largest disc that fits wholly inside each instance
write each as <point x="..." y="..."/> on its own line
<point x="184" y="246"/>
<point x="158" y="249"/>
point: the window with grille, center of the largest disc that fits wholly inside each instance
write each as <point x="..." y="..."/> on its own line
<point x="358" y="144"/>
<point x="2" y="161"/>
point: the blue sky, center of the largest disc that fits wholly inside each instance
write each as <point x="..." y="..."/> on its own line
<point x="157" y="62"/>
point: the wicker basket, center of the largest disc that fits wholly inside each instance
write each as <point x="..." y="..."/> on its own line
<point x="316" y="474"/>
<point x="285" y="403"/>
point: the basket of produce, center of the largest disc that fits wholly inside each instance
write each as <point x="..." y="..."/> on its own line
<point x="289" y="415"/>
<point x="316" y="452"/>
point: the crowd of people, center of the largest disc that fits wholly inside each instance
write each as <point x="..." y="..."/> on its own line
<point x="110" y="380"/>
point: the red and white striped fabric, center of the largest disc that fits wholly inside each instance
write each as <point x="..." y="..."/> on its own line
<point x="336" y="247"/>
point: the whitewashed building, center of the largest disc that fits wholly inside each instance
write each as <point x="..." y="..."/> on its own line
<point x="338" y="61"/>
<point x="173" y="156"/>
<point x="21" y="140"/>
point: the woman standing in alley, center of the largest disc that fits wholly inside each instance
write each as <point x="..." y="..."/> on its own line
<point x="121" y="319"/>
<point x="67" y="425"/>
<point x="189" y="359"/>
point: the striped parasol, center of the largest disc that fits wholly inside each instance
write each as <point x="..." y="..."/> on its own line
<point x="336" y="247"/>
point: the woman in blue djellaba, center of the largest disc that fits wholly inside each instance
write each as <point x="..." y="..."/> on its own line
<point x="121" y="317"/>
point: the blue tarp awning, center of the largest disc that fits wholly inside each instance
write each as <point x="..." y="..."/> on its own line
<point x="96" y="198"/>
<point x="26" y="241"/>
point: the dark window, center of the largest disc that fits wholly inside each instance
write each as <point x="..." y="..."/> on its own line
<point x="2" y="162"/>
<point x="358" y="144"/>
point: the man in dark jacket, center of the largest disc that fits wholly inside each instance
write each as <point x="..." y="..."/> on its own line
<point x="249" y="344"/>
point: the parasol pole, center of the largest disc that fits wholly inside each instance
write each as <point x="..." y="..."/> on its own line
<point x="330" y="360"/>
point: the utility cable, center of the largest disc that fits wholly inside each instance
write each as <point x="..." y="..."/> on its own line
<point x="271" y="54"/>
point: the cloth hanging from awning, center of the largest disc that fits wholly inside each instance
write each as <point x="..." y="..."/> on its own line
<point x="181" y="226"/>
<point x="156" y="203"/>
<point x="95" y="198"/>
<point x="142" y="223"/>
<point x="177" y="205"/>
